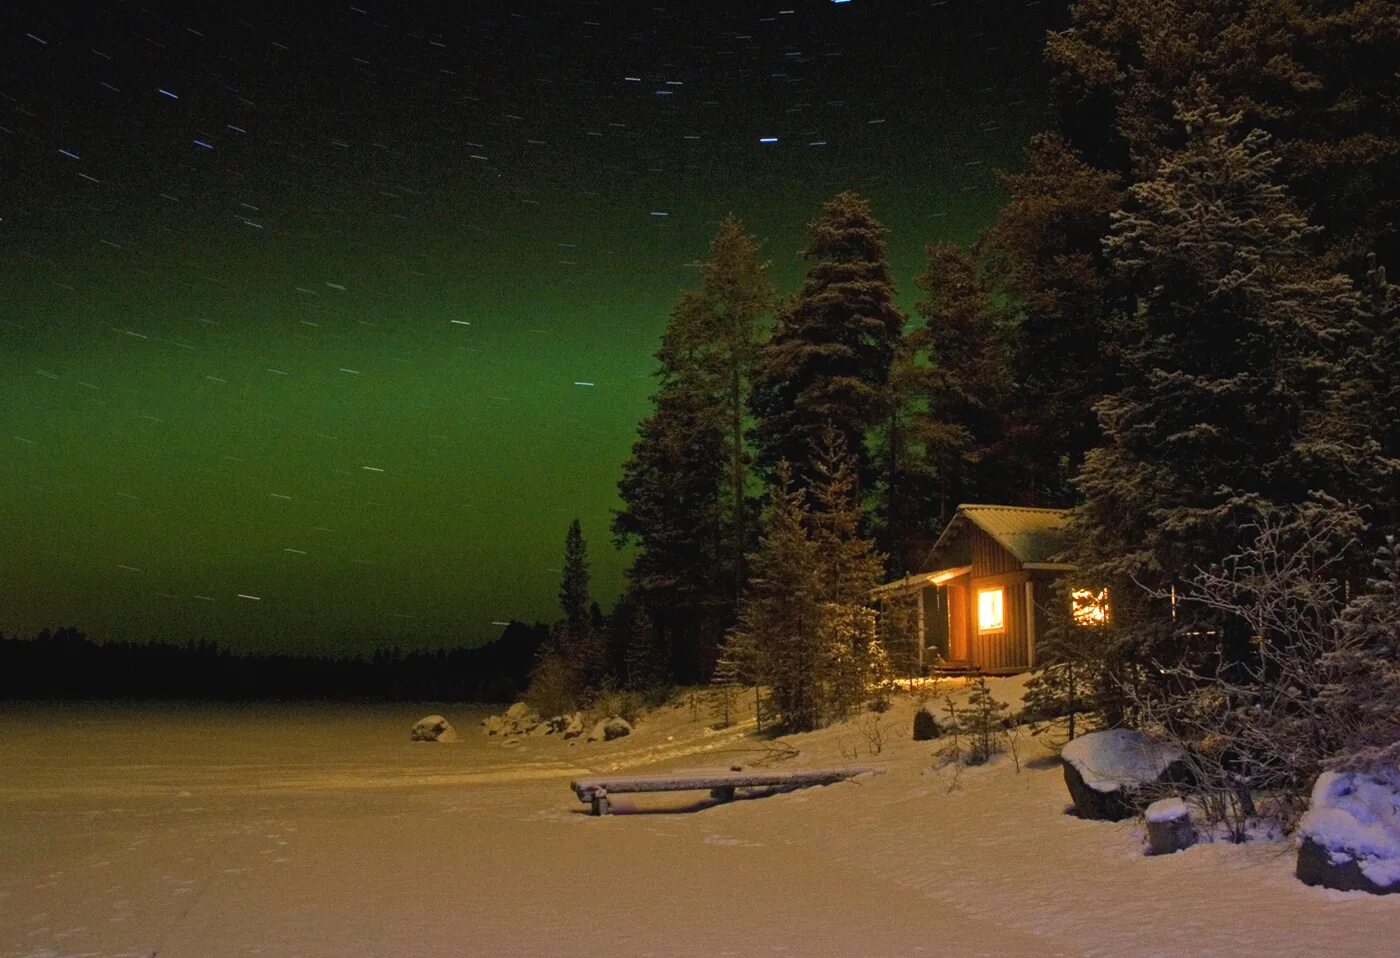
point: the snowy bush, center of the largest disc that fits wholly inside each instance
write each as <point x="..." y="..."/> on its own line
<point x="1322" y="689"/>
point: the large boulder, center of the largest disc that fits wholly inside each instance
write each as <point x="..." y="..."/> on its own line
<point x="1110" y="774"/>
<point x="607" y="729"/>
<point x="925" y="726"/>
<point x="1350" y="836"/>
<point x="433" y="728"/>
<point x="519" y="719"/>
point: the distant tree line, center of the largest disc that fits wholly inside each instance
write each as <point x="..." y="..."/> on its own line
<point x="66" y="664"/>
<point x="1179" y="325"/>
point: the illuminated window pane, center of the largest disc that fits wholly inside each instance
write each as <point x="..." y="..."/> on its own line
<point x="989" y="610"/>
<point x="1089" y="607"/>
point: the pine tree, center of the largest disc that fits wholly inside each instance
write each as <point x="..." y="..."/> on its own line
<point x="671" y="491"/>
<point x="848" y="568"/>
<point x="573" y="585"/>
<point x="1363" y="694"/>
<point x="646" y="665"/>
<point x="1317" y="75"/>
<point x="947" y="383"/>
<point x="1046" y="257"/>
<point x="574" y="661"/>
<point x="780" y="616"/>
<point x="848" y="565"/>
<point x="724" y="691"/>
<point x="736" y="294"/>
<point x="828" y="359"/>
<point x="1366" y="413"/>
<point x="1076" y="674"/>
<point x="685" y="488"/>
<point x="1228" y="369"/>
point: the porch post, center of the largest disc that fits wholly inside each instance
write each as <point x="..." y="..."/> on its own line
<point x="920" y="638"/>
<point x="1030" y="623"/>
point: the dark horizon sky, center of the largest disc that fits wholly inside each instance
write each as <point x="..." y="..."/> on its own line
<point x="297" y="305"/>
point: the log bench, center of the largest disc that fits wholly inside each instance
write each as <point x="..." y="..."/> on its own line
<point x="721" y="784"/>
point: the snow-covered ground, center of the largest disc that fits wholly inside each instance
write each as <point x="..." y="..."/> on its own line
<point x="322" y="831"/>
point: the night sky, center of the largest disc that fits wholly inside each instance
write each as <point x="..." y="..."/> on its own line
<point x="318" y="327"/>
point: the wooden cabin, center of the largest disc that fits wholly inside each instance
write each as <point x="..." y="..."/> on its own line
<point x="982" y="601"/>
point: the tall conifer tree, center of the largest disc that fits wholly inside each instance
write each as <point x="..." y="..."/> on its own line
<point x="685" y="488"/>
<point x="1046" y="257"/>
<point x="1230" y="372"/>
<point x="828" y="359"/>
<point x="1317" y="75"/>
<point x="779" y="630"/>
<point x="936" y="448"/>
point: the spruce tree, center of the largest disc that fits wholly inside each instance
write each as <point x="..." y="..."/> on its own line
<point x="779" y="626"/>
<point x="685" y="488"/>
<point x="848" y="568"/>
<point x="671" y="491"/>
<point x="573" y="584"/>
<point x="1317" y="75"/>
<point x="1366" y="412"/>
<point x="1230" y="367"/>
<point x="574" y="659"/>
<point x="1046" y="258"/>
<point x="735" y="295"/>
<point x="828" y="359"/>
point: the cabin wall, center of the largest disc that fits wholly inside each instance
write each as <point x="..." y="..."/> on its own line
<point x="1003" y="650"/>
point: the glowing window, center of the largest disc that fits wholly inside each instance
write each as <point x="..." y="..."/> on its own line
<point x="1089" y="607"/>
<point x="990" y="617"/>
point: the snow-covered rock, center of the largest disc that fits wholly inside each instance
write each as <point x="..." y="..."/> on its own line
<point x="1351" y="832"/>
<point x="607" y="729"/>
<point x="1169" y="827"/>
<point x="574" y="728"/>
<point x="1106" y="771"/>
<point x="433" y="728"/>
<point x="519" y="719"/>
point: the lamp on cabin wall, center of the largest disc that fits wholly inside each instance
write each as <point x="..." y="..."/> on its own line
<point x="1089" y="607"/>
<point x="991" y="610"/>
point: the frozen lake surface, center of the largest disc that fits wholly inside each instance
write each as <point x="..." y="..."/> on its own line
<point x="320" y="830"/>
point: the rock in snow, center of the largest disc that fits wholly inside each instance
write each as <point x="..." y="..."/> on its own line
<point x="434" y="728"/>
<point x="1169" y="827"/>
<point x="1351" y="832"/>
<point x="1106" y="771"/>
<point x="610" y="728"/>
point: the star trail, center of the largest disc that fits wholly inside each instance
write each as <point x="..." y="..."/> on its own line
<point x="319" y="325"/>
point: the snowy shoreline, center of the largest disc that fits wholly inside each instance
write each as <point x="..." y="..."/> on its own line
<point x="239" y="831"/>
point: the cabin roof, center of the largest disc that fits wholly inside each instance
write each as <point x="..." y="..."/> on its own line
<point x="1032" y="535"/>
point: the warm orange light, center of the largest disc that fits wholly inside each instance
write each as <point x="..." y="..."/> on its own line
<point x="1089" y="607"/>
<point x="990" y="616"/>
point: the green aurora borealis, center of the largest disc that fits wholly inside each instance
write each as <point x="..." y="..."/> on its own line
<point x="333" y="367"/>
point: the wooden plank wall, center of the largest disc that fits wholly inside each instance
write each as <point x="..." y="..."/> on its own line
<point x="988" y="557"/>
<point x="1002" y="651"/>
<point x="994" y="567"/>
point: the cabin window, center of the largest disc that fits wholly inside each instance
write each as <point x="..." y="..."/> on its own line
<point x="990" y="610"/>
<point x="1089" y="607"/>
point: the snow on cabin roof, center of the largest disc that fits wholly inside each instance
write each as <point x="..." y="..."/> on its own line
<point x="1030" y="534"/>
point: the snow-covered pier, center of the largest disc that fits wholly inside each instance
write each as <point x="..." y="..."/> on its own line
<point x="721" y="784"/>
